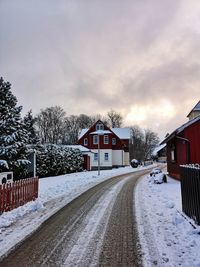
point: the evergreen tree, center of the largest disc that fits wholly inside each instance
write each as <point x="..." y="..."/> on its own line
<point x="29" y="122"/>
<point x="12" y="134"/>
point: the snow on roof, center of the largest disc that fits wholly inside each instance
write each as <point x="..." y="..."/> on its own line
<point x="196" y="108"/>
<point x="101" y="132"/>
<point x="180" y="129"/>
<point x="122" y="133"/>
<point x="81" y="148"/>
<point x="83" y="131"/>
<point x="157" y="149"/>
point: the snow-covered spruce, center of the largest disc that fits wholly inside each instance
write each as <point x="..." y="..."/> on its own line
<point x="13" y="136"/>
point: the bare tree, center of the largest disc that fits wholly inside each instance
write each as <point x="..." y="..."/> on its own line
<point x="84" y="121"/>
<point x="50" y="125"/>
<point x="142" y="143"/>
<point x="115" y="119"/>
<point x="71" y="129"/>
<point x="99" y="117"/>
<point x="151" y="140"/>
<point x="137" y="143"/>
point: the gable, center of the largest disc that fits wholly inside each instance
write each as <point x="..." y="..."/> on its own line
<point x="84" y="132"/>
<point x="195" y="109"/>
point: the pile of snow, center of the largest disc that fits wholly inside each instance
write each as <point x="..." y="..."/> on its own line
<point x="157" y="176"/>
<point x="168" y="237"/>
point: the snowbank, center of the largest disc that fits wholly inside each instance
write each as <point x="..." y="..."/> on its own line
<point x="167" y="235"/>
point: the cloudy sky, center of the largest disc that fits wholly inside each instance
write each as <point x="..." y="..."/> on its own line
<point x="138" y="57"/>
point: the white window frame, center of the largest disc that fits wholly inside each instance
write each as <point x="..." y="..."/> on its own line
<point x="99" y="126"/>
<point x="95" y="156"/>
<point x="106" y="139"/>
<point x="106" y="156"/>
<point x="114" y="141"/>
<point x="95" y="139"/>
<point x="173" y="153"/>
<point x="85" y="142"/>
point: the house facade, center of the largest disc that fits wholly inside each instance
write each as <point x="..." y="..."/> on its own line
<point x="183" y="146"/>
<point x="111" y="145"/>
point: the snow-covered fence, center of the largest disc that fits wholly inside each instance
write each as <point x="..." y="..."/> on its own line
<point x="18" y="193"/>
<point x="190" y="190"/>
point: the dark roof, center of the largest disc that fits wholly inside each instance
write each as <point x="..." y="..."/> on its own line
<point x="180" y="129"/>
<point x="196" y="108"/>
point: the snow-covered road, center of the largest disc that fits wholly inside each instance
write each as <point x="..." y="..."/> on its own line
<point x="54" y="193"/>
<point x="74" y="235"/>
<point x="88" y="246"/>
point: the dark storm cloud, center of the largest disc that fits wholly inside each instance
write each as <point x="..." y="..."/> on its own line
<point x="167" y="80"/>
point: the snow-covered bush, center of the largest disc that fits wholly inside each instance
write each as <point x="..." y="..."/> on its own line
<point x="160" y="178"/>
<point x="155" y="171"/>
<point x="55" y="160"/>
<point x="156" y="176"/>
<point x="134" y="163"/>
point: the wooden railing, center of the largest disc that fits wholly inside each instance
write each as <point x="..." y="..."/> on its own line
<point x="18" y="193"/>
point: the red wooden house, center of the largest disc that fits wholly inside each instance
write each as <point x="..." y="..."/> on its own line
<point x="183" y="145"/>
<point x="113" y="145"/>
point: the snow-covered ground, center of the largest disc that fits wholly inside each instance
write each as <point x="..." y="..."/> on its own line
<point x="167" y="235"/>
<point x="54" y="193"/>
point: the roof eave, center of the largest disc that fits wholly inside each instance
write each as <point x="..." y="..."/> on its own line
<point x="172" y="135"/>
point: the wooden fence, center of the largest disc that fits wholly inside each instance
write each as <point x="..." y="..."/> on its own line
<point x="190" y="191"/>
<point x="18" y="193"/>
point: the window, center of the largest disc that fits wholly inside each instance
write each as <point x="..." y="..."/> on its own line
<point x="95" y="156"/>
<point x="99" y="126"/>
<point x="106" y="139"/>
<point x="106" y="157"/>
<point x="95" y="139"/>
<point x="113" y="141"/>
<point x="85" y="141"/>
<point x="173" y="153"/>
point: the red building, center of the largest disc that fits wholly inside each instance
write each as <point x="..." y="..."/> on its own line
<point x="183" y="146"/>
<point x="113" y="145"/>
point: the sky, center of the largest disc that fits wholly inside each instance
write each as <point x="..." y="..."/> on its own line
<point x="138" y="57"/>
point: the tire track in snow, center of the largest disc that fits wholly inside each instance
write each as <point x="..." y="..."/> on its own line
<point x="87" y="248"/>
<point x="52" y="242"/>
